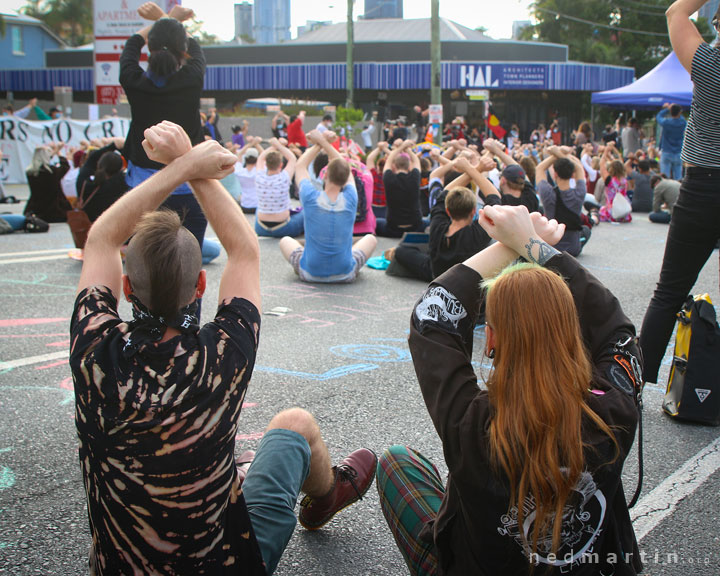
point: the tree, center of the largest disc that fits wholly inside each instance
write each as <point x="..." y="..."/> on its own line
<point x="71" y="20"/>
<point x="621" y="32"/>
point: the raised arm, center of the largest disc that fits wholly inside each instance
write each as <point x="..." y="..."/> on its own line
<point x="542" y="168"/>
<point x="164" y="143"/>
<point x="484" y="185"/>
<point x="684" y="36"/>
<point x="287" y="153"/>
<point x="303" y="163"/>
<point x="496" y="148"/>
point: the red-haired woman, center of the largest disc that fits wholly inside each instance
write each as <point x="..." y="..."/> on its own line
<point x="535" y="462"/>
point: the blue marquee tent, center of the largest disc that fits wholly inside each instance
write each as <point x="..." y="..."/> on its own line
<point x="667" y="82"/>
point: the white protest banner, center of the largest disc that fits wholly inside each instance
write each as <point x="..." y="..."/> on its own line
<point x="19" y="138"/>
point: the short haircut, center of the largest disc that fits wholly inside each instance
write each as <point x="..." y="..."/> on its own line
<point x="338" y="171"/>
<point x="327" y="117"/>
<point x="460" y="203"/>
<point x="644" y="165"/>
<point x="675" y="110"/>
<point x="402" y="161"/>
<point x="163" y="261"/>
<point x="293" y="118"/>
<point x="425" y="164"/>
<point x="654" y="179"/>
<point x="564" y="168"/>
<point x="273" y="160"/>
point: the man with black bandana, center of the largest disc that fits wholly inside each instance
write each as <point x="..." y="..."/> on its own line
<point x="158" y="399"/>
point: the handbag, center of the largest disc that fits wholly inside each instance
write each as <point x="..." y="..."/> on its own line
<point x="78" y="220"/>
<point x="621" y="207"/>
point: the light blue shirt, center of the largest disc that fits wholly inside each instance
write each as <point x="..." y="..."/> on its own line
<point x="673" y="131"/>
<point x="328" y="230"/>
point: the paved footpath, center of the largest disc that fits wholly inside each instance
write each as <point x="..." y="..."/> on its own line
<point x="340" y="352"/>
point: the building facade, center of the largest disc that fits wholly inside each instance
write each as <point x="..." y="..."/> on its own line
<point x="244" y="21"/>
<point x="271" y="21"/>
<point x="25" y="42"/>
<point x="375" y="9"/>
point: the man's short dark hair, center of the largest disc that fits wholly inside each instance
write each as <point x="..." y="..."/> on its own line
<point x="675" y="110"/>
<point x="564" y="168"/>
<point x="644" y="166"/>
<point x="163" y="261"/>
<point x="327" y="117"/>
<point x="460" y="203"/>
<point x="293" y="118"/>
<point x="654" y="179"/>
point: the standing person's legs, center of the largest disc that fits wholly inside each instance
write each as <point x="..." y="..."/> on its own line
<point x="411" y="491"/>
<point x="693" y="233"/>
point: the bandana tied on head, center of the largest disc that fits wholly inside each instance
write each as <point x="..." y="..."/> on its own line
<point x="146" y="327"/>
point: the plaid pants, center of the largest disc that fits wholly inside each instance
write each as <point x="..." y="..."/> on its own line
<point x="411" y="491"/>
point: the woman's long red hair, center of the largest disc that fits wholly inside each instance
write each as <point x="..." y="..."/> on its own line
<point x="538" y="389"/>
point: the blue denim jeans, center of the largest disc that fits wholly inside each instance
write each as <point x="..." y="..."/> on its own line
<point x="293" y="226"/>
<point x="671" y="165"/>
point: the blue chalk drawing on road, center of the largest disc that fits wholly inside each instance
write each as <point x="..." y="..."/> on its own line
<point x="372" y="352"/>
<point x="331" y="374"/>
<point x="7" y="480"/>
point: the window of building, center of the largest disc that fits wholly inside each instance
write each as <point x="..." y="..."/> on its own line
<point x="17" y="39"/>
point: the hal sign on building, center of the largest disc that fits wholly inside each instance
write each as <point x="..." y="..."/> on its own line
<point x="115" y="21"/>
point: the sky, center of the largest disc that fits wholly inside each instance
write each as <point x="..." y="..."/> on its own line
<point x="218" y="18"/>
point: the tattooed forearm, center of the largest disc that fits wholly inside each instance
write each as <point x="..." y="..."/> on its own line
<point x="539" y="251"/>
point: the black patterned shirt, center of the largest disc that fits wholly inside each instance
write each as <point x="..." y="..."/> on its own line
<point x="157" y="438"/>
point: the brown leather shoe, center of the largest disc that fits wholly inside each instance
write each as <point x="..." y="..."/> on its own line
<point x="353" y="477"/>
<point x="243" y="464"/>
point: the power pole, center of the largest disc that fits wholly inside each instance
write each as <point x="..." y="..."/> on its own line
<point x="349" y="61"/>
<point x="435" y="93"/>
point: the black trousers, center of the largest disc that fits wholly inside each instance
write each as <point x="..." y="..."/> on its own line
<point x="415" y="260"/>
<point x="692" y="236"/>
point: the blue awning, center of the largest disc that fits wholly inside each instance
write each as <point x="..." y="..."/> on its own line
<point x="668" y="82"/>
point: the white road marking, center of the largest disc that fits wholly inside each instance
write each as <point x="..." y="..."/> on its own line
<point x="33" y="360"/>
<point x="662" y="501"/>
<point x="32" y="252"/>
<point x="36" y="259"/>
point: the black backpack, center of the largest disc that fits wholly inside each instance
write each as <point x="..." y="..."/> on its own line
<point x="693" y="390"/>
<point x="361" y="211"/>
<point x="564" y="215"/>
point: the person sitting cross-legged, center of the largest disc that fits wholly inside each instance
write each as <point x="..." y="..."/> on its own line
<point x="272" y="185"/>
<point x="329" y="254"/>
<point x="158" y="398"/>
<point x="564" y="201"/>
<point x="535" y="461"/>
<point x="455" y="233"/>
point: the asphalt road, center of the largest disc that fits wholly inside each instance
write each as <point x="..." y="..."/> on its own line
<point x="341" y="353"/>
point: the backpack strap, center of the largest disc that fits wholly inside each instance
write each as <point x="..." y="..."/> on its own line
<point x="621" y="347"/>
<point x="81" y="203"/>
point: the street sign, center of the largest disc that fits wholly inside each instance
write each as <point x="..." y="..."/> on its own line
<point x="436" y="114"/>
<point x="478" y="95"/>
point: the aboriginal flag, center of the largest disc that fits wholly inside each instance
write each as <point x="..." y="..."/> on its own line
<point x="495" y="127"/>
